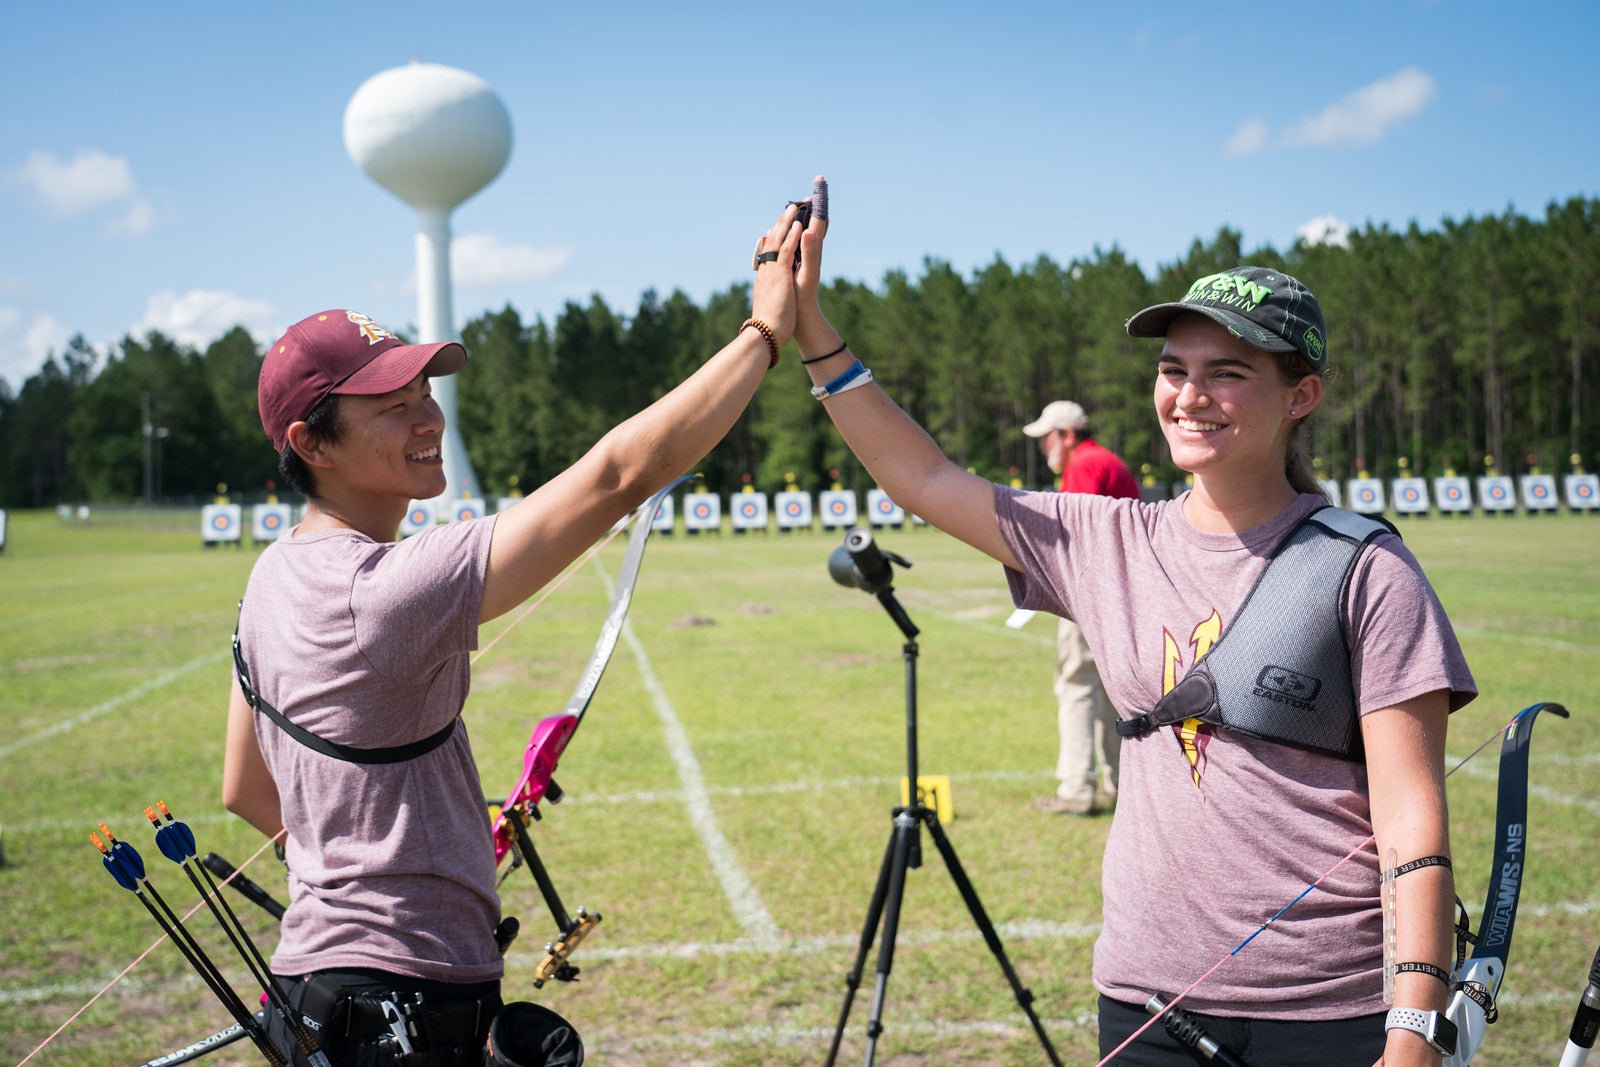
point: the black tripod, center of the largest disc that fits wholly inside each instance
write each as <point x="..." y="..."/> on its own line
<point x="860" y="564"/>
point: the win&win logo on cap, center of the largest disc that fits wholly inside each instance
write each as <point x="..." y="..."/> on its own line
<point x="1267" y="309"/>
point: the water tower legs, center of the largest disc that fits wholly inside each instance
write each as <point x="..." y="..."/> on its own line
<point x="435" y="319"/>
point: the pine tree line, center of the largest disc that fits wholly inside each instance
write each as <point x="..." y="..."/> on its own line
<point x="1468" y="346"/>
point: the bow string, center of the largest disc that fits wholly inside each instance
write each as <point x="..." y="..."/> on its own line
<point x="1479" y="977"/>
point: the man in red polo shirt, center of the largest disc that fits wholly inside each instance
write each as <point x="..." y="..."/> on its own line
<point x="1084" y="716"/>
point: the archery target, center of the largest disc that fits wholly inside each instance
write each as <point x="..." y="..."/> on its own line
<point x="702" y="511"/>
<point x="419" y="517"/>
<point x="1583" y="491"/>
<point x="749" y="511"/>
<point x="1410" y="495"/>
<point x="1453" y="493"/>
<point x="2" y="529"/>
<point x="221" y="522"/>
<point x="1496" y="494"/>
<point x="883" y="511"/>
<point x="467" y="508"/>
<point x="664" y="516"/>
<point x="1539" y="492"/>
<point x="1366" y="495"/>
<point x="838" y="508"/>
<point x="1330" y="487"/>
<point x="268" y="522"/>
<point x="794" y="509"/>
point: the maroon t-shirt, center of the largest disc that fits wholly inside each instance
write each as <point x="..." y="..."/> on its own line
<point x="1215" y="831"/>
<point x="365" y="644"/>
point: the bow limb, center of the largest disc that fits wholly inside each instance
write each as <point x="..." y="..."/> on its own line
<point x="621" y="599"/>
<point x="551" y="735"/>
<point x="1485" y="970"/>
<point x="550" y="738"/>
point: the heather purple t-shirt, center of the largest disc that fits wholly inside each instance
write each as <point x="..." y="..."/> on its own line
<point x="1214" y="833"/>
<point x="365" y="644"/>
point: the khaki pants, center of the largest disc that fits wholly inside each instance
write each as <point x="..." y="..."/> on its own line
<point x="1084" y="717"/>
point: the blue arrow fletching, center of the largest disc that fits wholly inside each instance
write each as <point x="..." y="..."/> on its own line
<point x="128" y="858"/>
<point x="124" y="879"/>
<point x="169" y="844"/>
<point x="185" y="837"/>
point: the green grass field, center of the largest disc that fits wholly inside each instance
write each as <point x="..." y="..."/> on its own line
<point x="729" y="795"/>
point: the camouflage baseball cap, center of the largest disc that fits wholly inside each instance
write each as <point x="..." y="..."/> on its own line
<point x="1265" y="308"/>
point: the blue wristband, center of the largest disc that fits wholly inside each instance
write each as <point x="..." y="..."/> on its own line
<point x="822" y="392"/>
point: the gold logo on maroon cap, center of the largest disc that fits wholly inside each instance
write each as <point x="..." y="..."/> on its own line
<point x="369" y="329"/>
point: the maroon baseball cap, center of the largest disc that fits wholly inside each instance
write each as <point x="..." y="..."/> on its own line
<point x="340" y="352"/>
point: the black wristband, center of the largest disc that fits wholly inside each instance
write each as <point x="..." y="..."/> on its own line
<point x="1416" y="865"/>
<point x="1424" y="968"/>
<point x="818" y="359"/>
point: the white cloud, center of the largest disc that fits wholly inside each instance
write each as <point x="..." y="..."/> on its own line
<point x="26" y="342"/>
<point x="483" y="260"/>
<point x="138" y="221"/>
<point x="1362" y="117"/>
<point x="1368" y="113"/>
<point x="1248" y="139"/>
<point x="88" y="182"/>
<point x="1325" y="230"/>
<point x="200" y="316"/>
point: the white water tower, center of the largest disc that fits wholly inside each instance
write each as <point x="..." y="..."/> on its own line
<point x="432" y="135"/>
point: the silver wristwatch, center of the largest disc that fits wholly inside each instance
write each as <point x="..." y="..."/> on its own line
<point x="1439" y="1031"/>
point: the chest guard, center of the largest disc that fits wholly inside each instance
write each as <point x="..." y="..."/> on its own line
<point x="1280" y="672"/>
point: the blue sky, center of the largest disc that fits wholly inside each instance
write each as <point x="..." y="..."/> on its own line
<point x="181" y="166"/>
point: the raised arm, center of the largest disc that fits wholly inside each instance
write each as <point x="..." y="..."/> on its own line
<point x="535" y="540"/>
<point x="906" y="463"/>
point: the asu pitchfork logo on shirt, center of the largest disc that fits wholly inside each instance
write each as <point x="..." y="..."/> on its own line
<point x="1192" y="734"/>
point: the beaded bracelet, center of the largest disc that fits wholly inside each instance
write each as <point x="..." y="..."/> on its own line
<point x="766" y="332"/>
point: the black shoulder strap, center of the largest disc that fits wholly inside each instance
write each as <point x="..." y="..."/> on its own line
<point x="1196" y="694"/>
<point x="347" y="753"/>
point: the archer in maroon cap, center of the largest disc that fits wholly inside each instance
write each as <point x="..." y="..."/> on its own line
<point x="340" y="352"/>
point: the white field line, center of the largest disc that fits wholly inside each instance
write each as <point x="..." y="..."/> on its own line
<point x="794" y="1036"/>
<point x="1502" y="636"/>
<point x="1549" y="796"/>
<point x="113" y="704"/>
<point x="657" y="796"/>
<point x="746" y="902"/>
<point x="843" y="944"/>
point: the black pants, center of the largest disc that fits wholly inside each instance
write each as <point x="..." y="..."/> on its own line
<point x="1354" y="1042"/>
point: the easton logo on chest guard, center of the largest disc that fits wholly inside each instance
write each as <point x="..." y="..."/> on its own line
<point x="1288" y="687"/>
